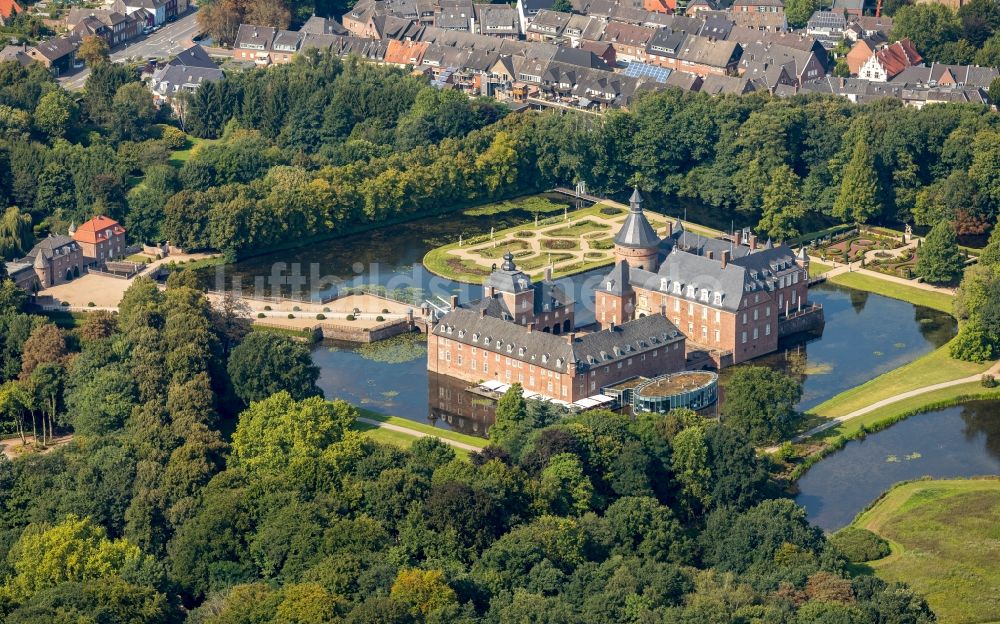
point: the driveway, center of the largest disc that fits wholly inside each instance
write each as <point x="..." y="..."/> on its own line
<point x="174" y="37"/>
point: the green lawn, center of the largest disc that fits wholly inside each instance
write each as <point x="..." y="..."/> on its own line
<point x="440" y="432"/>
<point x="931" y="299"/>
<point x="64" y="319"/>
<point x="945" y="544"/>
<point x="934" y="367"/>
<point x="818" y="268"/>
<point x="179" y="157"/>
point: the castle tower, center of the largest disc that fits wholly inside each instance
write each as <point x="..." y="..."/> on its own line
<point x="42" y="270"/>
<point x="637" y="242"/>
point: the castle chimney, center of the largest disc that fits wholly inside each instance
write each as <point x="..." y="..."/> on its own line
<point x="725" y="258"/>
<point x="531" y="327"/>
<point x="571" y="337"/>
<point x="482" y="312"/>
<point x="711" y="255"/>
<point x="670" y="228"/>
<point x="548" y="274"/>
<point x="738" y="237"/>
<point x="491" y="292"/>
<point x="753" y="242"/>
<point x="454" y="302"/>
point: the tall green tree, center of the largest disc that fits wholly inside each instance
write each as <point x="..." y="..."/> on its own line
<point x="15" y="234"/>
<point x="939" y="260"/>
<point x="760" y="403"/>
<point x="783" y="208"/>
<point x="266" y="363"/>
<point x="858" y="200"/>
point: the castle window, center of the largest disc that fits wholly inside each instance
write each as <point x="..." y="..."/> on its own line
<point x="677" y="288"/>
<point x="690" y="291"/>
<point x="704" y="295"/>
<point x="545" y="358"/>
<point x="610" y="284"/>
<point x="510" y="348"/>
<point x="664" y="283"/>
<point x="718" y="298"/>
<point x="461" y="333"/>
<point x="520" y="351"/>
<point x="475" y="337"/>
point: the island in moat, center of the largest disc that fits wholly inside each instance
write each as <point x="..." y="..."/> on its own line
<point x="670" y="303"/>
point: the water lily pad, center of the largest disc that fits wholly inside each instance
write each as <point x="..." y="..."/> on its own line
<point x="892" y="459"/>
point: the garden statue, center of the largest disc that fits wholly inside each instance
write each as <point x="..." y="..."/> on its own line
<point x="907" y="234"/>
<point x="491" y="233"/>
<point x="459" y="240"/>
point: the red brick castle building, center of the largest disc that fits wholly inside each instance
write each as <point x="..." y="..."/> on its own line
<point x="731" y="298"/>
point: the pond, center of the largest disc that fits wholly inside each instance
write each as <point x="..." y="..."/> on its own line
<point x="865" y="335"/>
<point x="961" y="441"/>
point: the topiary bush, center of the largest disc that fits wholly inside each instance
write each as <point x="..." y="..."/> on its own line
<point x="296" y="309"/>
<point x="385" y="310"/>
<point x="65" y="304"/>
<point x="91" y="304"/>
<point x="320" y="317"/>
<point x="268" y="308"/>
<point x="380" y="318"/>
<point x="989" y="381"/>
<point x="291" y="316"/>
<point x="350" y="317"/>
<point x="260" y="315"/>
<point x="859" y="545"/>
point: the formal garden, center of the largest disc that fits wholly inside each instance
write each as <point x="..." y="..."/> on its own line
<point x="568" y="241"/>
<point x="853" y="244"/>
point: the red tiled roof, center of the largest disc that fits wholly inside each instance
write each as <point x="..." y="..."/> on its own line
<point x="898" y="56"/>
<point x="97" y="230"/>
<point x="405" y="52"/>
<point x="9" y="7"/>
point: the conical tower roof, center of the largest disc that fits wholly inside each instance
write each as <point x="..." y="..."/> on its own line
<point x="636" y="232"/>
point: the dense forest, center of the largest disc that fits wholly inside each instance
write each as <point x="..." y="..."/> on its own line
<point x="153" y="514"/>
<point x="323" y="146"/>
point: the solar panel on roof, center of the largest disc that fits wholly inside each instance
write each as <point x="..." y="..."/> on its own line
<point x="645" y="70"/>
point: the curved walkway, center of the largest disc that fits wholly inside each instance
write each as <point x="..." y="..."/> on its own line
<point x="418" y="434"/>
<point x="833" y="422"/>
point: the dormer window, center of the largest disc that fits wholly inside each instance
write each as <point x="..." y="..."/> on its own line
<point x="461" y="333"/>
<point x="664" y="283"/>
<point x="704" y="295"/>
<point x="510" y="348"/>
<point x="545" y="358"/>
<point x="690" y="291"/>
<point x="520" y="351"/>
<point x="677" y="288"/>
<point x="610" y="285"/>
<point x="718" y="298"/>
<point x="475" y="337"/>
<point x="499" y="344"/>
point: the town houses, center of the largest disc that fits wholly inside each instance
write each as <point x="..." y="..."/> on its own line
<point x="667" y="301"/>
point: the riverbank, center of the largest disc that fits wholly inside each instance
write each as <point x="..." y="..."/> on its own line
<point x="402" y="432"/>
<point x="943" y="536"/>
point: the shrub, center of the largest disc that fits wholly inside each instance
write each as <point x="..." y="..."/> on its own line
<point x="326" y="309"/>
<point x="267" y="308"/>
<point x="785" y="452"/>
<point x="91" y="304"/>
<point x="65" y="304"/>
<point x="859" y="544"/>
<point x="610" y="211"/>
<point x="385" y="310"/>
<point x="320" y="317"/>
<point x="380" y="318"/>
<point x="260" y="315"/>
<point x="291" y="316"/>
<point x="989" y="381"/>
<point x="524" y="234"/>
<point x="350" y="317"/>
<point x="173" y="138"/>
<point x="296" y="309"/>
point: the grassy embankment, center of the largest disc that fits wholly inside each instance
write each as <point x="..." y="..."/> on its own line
<point x="930" y="369"/>
<point x="404" y="440"/>
<point x="945" y="544"/>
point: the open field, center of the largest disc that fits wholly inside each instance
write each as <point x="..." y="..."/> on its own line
<point x="945" y="544"/>
<point x="574" y="243"/>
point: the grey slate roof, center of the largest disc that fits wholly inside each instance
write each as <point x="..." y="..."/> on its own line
<point x="617" y="281"/>
<point x="636" y="231"/>
<point x="52" y="246"/>
<point x="195" y="56"/>
<point x="553" y="352"/>
<point x="316" y="25"/>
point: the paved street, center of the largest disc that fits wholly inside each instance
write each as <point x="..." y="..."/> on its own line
<point x="169" y="40"/>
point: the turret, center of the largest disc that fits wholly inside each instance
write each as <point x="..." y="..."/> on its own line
<point x="637" y="242"/>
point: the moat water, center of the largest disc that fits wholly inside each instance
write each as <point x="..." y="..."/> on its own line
<point x="961" y="441"/>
